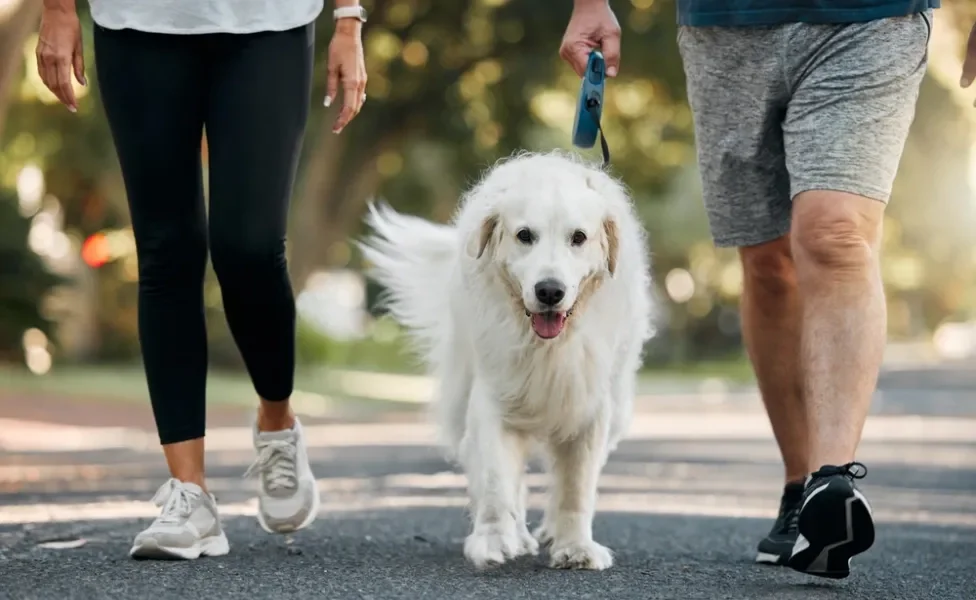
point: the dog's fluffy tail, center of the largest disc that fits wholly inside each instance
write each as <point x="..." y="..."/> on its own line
<point x="412" y="259"/>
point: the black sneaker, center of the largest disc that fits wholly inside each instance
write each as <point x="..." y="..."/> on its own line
<point x="835" y="522"/>
<point x="776" y="547"/>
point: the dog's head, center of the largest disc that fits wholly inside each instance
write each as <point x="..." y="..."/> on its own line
<point x="552" y="231"/>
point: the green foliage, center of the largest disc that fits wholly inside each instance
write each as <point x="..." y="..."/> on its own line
<point x="490" y="82"/>
<point x="25" y="281"/>
<point x="383" y="349"/>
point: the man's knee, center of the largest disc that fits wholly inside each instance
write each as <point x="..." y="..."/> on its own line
<point x="836" y="232"/>
<point x="767" y="269"/>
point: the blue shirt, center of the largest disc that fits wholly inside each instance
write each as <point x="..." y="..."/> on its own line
<point x="727" y="13"/>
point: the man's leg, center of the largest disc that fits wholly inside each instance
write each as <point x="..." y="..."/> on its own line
<point x="770" y="308"/>
<point x="738" y="97"/>
<point x="771" y="316"/>
<point x="853" y="100"/>
<point x="836" y="241"/>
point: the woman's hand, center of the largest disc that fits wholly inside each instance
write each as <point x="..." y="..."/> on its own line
<point x="347" y="68"/>
<point x="59" y="51"/>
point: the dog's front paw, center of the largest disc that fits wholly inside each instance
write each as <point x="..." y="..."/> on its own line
<point x="581" y="555"/>
<point x="529" y="544"/>
<point x="543" y="535"/>
<point x="492" y="545"/>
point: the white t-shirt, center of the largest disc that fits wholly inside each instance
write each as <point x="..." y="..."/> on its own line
<point x="204" y="16"/>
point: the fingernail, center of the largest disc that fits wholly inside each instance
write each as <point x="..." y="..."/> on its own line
<point x="84" y="81"/>
<point x="328" y="101"/>
<point x="965" y="81"/>
<point x="612" y="71"/>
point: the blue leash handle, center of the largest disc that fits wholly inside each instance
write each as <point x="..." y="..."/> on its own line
<point x="589" y="109"/>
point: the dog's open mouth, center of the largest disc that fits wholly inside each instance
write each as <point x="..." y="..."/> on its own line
<point x="548" y="325"/>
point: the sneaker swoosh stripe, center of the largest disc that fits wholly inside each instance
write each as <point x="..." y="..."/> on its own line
<point x="801" y="544"/>
<point x="864" y="501"/>
<point x="813" y="494"/>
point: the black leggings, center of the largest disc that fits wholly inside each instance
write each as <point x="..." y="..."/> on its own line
<point x="251" y="94"/>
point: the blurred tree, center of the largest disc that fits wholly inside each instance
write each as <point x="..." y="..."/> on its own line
<point x="453" y="89"/>
<point x="454" y="86"/>
<point x="18" y="18"/>
<point x="25" y="282"/>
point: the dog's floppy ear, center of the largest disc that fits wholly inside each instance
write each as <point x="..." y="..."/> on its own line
<point x="480" y="242"/>
<point x="612" y="237"/>
<point x="602" y="184"/>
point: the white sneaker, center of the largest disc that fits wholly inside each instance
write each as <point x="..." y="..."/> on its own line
<point x="188" y="527"/>
<point x="288" y="497"/>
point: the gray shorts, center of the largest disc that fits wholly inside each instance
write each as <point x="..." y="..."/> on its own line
<point x="785" y="109"/>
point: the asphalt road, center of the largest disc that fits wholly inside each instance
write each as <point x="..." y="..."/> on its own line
<point x="683" y="503"/>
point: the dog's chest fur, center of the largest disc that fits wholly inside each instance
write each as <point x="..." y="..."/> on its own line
<point x="558" y="390"/>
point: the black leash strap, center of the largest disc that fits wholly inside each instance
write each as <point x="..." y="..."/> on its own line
<point x="592" y="104"/>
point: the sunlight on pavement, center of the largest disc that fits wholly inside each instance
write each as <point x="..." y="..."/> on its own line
<point x="687" y="504"/>
<point x="713" y="464"/>
<point x="22" y="436"/>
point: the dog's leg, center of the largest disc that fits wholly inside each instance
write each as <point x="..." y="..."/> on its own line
<point x="621" y="407"/>
<point x="568" y="523"/>
<point x="529" y="543"/>
<point x="494" y="459"/>
<point x="451" y="407"/>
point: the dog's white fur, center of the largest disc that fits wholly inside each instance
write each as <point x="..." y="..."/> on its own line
<point x="463" y="292"/>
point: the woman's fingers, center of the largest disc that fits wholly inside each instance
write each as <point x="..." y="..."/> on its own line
<point x="351" y="103"/>
<point x="59" y="55"/>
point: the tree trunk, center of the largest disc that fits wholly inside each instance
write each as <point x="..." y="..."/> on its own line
<point x="15" y="26"/>
<point x="340" y="176"/>
<point x="319" y="176"/>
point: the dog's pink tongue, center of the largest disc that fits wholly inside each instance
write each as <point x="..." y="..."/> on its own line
<point x="548" y="325"/>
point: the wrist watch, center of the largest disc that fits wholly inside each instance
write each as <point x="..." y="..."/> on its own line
<point x="349" y="12"/>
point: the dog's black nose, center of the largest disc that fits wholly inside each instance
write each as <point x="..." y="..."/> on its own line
<point x="550" y="292"/>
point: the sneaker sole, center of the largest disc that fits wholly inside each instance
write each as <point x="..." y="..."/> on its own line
<point x="312" y="515"/>
<point x="151" y="550"/>
<point x="766" y="558"/>
<point x="835" y="525"/>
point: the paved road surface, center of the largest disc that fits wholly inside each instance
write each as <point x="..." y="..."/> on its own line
<point x="682" y="504"/>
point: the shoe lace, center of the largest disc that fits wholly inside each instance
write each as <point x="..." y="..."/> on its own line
<point x="792" y="518"/>
<point x="176" y="501"/>
<point x="789" y="515"/>
<point x="276" y="463"/>
<point x="852" y="470"/>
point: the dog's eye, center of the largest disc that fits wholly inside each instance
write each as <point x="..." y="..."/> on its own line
<point x="524" y="236"/>
<point x="578" y="238"/>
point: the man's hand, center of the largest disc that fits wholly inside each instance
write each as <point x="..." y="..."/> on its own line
<point x="59" y="51"/>
<point x="593" y="25"/>
<point x="969" y="63"/>
<point x="347" y="68"/>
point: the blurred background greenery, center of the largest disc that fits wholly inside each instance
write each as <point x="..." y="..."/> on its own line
<point x="450" y="90"/>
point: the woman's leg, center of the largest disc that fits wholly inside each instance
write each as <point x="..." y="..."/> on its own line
<point x="151" y="91"/>
<point x="255" y="123"/>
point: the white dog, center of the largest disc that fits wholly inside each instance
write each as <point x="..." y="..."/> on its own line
<point x="531" y="310"/>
